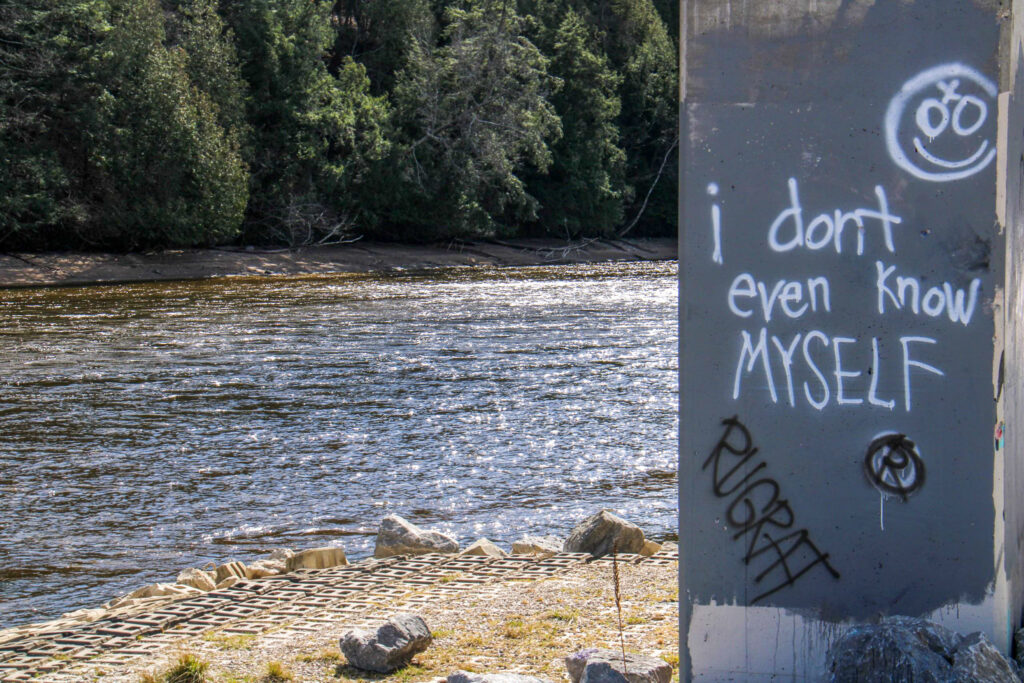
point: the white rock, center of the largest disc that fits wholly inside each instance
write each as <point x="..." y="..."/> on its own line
<point x="84" y="615"/>
<point x="484" y="547"/>
<point x="197" y="578"/>
<point x="317" y="558"/>
<point x="264" y="568"/>
<point x="649" y="548"/>
<point x="538" y="545"/>
<point x="397" y="536"/>
<point x="157" y="590"/>
<point x="229" y="568"/>
<point x="228" y="582"/>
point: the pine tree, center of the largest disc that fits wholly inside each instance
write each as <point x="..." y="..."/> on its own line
<point x="583" y="192"/>
<point x="43" y="50"/>
<point x="162" y="170"/>
<point x="380" y="36"/>
<point x="473" y="117"/>
<point x="314" y="133"/>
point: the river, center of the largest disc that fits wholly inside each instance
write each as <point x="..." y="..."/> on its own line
<point x="147" y="428"/>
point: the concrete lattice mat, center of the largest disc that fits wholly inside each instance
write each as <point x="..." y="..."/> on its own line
<point x="307" y="610"/>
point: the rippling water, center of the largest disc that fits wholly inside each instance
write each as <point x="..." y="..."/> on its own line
<point x="150" y="427"/>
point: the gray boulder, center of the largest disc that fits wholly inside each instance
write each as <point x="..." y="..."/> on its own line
<point x="467" y="677"/>
<point x="397" y="536"/>
<point x="391" y="647"/>
<point x="907" y="650"/>
<point x="601" y="532"/>
<point x="605" y="666"/>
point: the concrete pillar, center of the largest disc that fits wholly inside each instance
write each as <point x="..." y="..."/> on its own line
<point x="852" y="203"/>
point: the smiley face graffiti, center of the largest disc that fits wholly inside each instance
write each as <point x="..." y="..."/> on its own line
<point x="939" y="126"/>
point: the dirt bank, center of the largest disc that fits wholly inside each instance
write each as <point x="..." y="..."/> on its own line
<point x="73" y="268"/>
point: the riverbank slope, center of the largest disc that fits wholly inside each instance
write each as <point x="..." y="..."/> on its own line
<point x="75" y="268"/>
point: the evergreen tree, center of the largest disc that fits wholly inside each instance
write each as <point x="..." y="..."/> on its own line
<point x="314" y="133"/>
<point x="380" y="36"/>
<point x="111" y="144"/>
<point x="584" y="191"/>
<point x="649" y="119"/>
<point x="43" y="50"/>
<point x="213" y="64"/>
<point x="161" y="169"/>
<point x="472" y="116"/>
<point x="640" y="48"/>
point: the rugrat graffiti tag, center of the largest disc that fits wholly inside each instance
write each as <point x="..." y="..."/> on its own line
<point x="758" y="514"/>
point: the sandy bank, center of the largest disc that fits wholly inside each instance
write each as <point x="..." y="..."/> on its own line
<point x="73" y="268"/>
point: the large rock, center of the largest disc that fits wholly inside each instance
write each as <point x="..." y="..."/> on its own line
<point x="906" y="650"/>
<point x="227" y="570"/>
<point x="600" y="533"/>
<point x="486" y="548"/>
<point x="317" y="558"/>
<point x="605" y="666"/>
<point x="197" y="578"/>
<point x="264" y="568"/>
<point x="397" y="536"/>
<point x="538" y="545"/>
<point x="390" y="648"/>
<point x="467" y="677"/>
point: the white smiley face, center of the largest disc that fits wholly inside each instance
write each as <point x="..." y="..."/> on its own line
<point x="947" y="133"/>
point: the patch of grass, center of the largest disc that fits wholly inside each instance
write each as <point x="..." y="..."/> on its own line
<point x="229" y="642"/>
<point x="277" y="673"/>
<point x="672" y="659"/>
<point x="328" y="655"/>
<point x="441" y="633"/>
<point x="636" y="619"/>
<point x="346" y="672"/>
<point x="562" y="614"/>
<point x="514" y="629"/>
<point x="148" y="678"/>
<point x="188" y="669"/>
<point x="448" y="578"/>
<point x="408" y="673"/>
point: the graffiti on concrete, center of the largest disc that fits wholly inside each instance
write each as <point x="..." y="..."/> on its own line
<point x="945" y="138"/>
<point x="893" y="466"/>
<point x="757" y="513"/>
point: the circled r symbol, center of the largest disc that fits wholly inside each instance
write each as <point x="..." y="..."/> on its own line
<point x="893" y="466"/>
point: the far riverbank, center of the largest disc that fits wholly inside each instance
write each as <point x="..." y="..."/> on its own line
<point x="77" y="268"/>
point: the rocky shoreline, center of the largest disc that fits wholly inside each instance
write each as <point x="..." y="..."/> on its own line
<point x="310" y="615"/>
<point x="72" y="269"/>
<point x="599" y="535"/>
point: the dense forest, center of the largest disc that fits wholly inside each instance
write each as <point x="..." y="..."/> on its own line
<point x="137" y="124"/>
